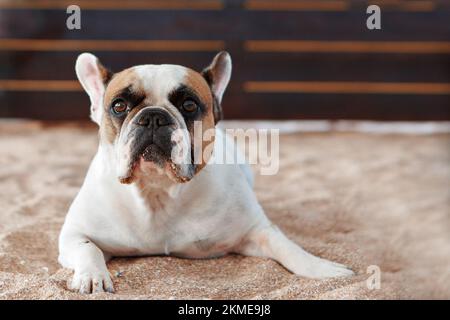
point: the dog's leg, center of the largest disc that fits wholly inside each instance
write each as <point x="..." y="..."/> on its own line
<point x="268" y="241"/>
<point x="88" y="262"/>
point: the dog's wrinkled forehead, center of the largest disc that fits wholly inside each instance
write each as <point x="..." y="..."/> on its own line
<point x="157" y="82"/>
<point x="160" y="80"/>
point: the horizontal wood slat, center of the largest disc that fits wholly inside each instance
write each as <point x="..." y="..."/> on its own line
<point x="406" y="47"/>
<point x="330" y="5"/>
<point x="338" y="5"/>
<point x="40" y="85"/>
<point x="114" y="5"/>
<point x="347" y="87"/>
<point x="110" y="45"/>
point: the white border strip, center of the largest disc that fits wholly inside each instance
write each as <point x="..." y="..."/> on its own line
<point x="378" y="127"/>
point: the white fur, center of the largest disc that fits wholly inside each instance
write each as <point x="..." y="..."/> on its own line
<point x="160" y="79"/>
<point x="222" y="62"/>
<point x="213" y="214"/>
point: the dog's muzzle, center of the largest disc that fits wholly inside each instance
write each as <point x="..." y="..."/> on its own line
<point x="152" y="135"/>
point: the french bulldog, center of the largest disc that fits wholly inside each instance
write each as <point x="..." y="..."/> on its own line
<point x="136" y="200"/>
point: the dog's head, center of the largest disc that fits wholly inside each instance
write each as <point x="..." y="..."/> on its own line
<point x="146" y="113"/>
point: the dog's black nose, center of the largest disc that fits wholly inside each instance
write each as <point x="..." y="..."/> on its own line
<point x="153" y="119"/>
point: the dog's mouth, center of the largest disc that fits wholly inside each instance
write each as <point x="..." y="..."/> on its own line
<point x="151" y="160"/>
<point x="150" y="156"/>
<point x="153" y="153"/>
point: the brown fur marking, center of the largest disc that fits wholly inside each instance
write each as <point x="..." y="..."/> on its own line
<point x="110" y="127"/>
<point x="196" y="82"/>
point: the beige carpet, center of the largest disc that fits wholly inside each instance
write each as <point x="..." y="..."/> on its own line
<point x="359" y="199"/>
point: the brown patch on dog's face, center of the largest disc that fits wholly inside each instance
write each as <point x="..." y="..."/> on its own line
<point x="123" y="85"/>
<point x="208" y="75"/>
<point x="198" y="84"/>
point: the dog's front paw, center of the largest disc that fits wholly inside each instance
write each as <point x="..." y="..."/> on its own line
<point x="92" y="281"/>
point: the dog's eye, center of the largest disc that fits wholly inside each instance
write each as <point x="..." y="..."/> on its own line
<point x="119" y="106"/>
<point x="189" y="105"/>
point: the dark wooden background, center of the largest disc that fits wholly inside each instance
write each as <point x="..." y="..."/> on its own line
<point x="292" y="59"/>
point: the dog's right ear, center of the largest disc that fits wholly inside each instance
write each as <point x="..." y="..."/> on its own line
<point x="217" y="75"/>
<point x="94" y="77"/>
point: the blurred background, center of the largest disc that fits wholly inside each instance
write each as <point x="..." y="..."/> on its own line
<point x="292" y="59"/>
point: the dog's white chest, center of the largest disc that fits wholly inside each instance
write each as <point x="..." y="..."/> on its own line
<point x="191" y="227"/>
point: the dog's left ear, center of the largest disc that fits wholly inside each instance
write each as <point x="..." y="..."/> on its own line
<point x="217" y="75"/>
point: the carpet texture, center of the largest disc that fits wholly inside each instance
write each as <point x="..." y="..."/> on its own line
<point x="358" y="199"/>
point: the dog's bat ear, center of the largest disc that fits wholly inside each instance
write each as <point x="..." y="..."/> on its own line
<point x="93" y="77"/>
<point x="217" y="75"/>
